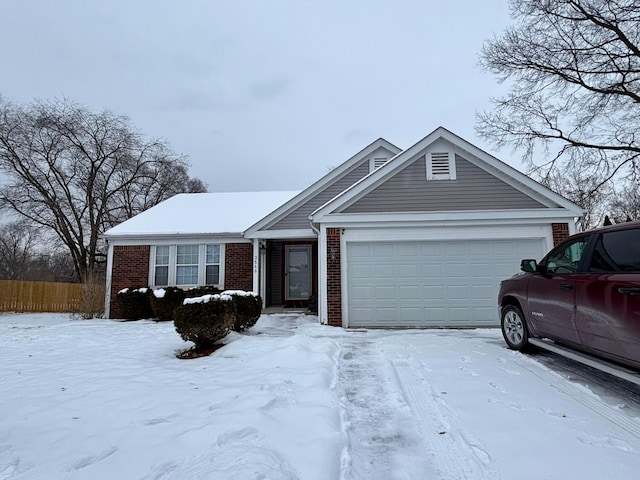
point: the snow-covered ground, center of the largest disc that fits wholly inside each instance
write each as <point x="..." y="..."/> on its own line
<point x="292" y="399"/>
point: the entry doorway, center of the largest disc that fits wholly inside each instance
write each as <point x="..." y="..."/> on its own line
<point x="298" y="280"/>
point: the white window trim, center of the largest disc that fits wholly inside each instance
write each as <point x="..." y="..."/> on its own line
<point x="202" y="271"/>
<point x="451" y="175"/>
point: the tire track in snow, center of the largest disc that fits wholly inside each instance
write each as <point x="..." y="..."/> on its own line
<point x="456" y="454"/>
<point x="588" y="400"/>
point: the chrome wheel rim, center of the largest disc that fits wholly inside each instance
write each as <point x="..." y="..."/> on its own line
<point x="513" y="327"/>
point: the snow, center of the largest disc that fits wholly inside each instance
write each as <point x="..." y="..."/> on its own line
<point x="207" y="298"/>
<point x="202" y="213"/>
<point x="293" y="399"/>
<point x="240" y="293"/>
<point x="159" y="292"/>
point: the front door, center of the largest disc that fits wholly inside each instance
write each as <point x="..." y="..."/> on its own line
<point x="297" y="272"/>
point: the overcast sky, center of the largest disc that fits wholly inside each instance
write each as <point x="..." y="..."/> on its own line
<point x="260" y="95"/>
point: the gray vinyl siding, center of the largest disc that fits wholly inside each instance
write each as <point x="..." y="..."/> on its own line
<point x="473" y="189"/>
<point x="299" y="218"/>
<point x="274" y="273"/>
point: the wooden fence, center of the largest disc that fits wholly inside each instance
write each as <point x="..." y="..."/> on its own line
<point x="20" y="296"/>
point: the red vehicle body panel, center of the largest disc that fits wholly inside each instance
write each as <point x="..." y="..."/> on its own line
<point x="590" y="309"/>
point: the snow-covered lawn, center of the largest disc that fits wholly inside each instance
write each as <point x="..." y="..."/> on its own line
<point x="292" y="399"/>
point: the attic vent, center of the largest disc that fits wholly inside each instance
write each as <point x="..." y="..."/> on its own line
<point x="441" y="166"/>
<point x="377" y="162"/>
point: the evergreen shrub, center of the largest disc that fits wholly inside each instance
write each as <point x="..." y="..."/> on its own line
<point x="205" y="320"/>
<point x="134" y="303"/>
<point x="248" y="308"/>
<point x="201" y="291"/>
<point x="165" y="300"/>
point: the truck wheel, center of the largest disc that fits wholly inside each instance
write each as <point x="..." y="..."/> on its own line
<point x="514" y="328"/>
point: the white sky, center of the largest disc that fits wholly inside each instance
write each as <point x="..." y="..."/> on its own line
<point x="280" y="90"/>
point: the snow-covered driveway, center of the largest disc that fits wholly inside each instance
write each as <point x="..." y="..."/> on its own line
<point x="295" y="400"/>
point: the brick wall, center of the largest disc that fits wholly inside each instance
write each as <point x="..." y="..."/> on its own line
<point x="238" y="266"/>
<point x="334" y="279"/>
<point x="560" y="232"/>
<point x="130" y="269"/>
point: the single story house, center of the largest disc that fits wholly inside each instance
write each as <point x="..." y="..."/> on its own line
<point x="390" y="238"/>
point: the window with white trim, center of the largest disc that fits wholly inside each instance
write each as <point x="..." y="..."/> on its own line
<point x="187" y="265"/>
<point x="441" y="166"/>
<point x="212" y="264"/>
<point x="161" y="270"/>
<point x="187" y="261"/>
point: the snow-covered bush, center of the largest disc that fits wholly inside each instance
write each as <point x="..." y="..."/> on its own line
<point x="205" y="320"/>
<point x="201" y="291"/>
<point x="134" y="303"/>
<point x="248" y="308"/>
<point x="165" y="300"/>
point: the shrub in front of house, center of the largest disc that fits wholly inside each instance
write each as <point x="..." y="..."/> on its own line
<point x="201" y="291"/>
<point x="248" y="308"/>
<point x="165" y="300"/>
<point x="134" y="303"/>
<point x="205" y="320"/>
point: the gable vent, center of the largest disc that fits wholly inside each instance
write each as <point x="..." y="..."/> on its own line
<point x="376" y="163"/>
<point x="440" y="166"/>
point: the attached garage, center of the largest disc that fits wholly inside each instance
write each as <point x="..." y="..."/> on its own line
<point x="444" y="283"/>
<point x="425" y="239"/>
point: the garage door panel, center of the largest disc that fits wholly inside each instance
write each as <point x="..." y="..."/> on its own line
<point x="408" y="271"/>
<point x="433" y="291"/>
<point x="458" y="270"/>
<point x="413" y="292"/>
<point x="385" y="272"/>
<point x="431" y="283"/>
<point x="385" y="292"/>
<point x="409" y="314"/>
<point x="454" y="249"/>
<point x="407" y="250"/>
<point x="458" y="292"/>
<point x="361" y="293"/>
<point x="480" y="249"/>
<point x="431" y="249"/>
<point x="383" y="250"/>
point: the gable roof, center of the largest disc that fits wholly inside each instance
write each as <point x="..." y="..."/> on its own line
<point x="500" y="169"/>
<point x="227" y="213"/>
<point x="320" y="185"/>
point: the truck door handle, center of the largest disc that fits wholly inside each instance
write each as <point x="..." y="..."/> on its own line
<point x="629" y="291"/>
<point x="566" y="286"/>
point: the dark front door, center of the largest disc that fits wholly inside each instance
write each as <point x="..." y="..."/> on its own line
<point x="297" y="273"/>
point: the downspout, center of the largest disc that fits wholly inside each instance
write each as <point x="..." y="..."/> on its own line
<point x="316" y="230"/>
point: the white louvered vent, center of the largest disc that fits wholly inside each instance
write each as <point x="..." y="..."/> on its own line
<point x="377" y="162"/>
<point x="440" y="166"/>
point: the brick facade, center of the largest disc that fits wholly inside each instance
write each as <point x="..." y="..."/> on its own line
<point x="334" y="278"/>
<point x="238" y="266"/>
<point x="130" y="269"/>
<point x="560" y="232"/>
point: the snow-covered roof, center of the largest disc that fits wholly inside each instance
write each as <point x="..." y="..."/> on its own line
<point x="202" y="213"/>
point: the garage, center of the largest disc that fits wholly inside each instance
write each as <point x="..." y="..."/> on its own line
<point x="444" y="283"/>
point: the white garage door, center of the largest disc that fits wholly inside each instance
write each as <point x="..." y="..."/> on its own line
<point x="431" y="283"/>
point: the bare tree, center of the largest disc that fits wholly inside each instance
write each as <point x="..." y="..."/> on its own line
<point x="573" y="67"/>
<point x="583" y="188"/>
<point x="18" y="242"/>
<point x="625" y="205"/>
<point x="76" y="173"/>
